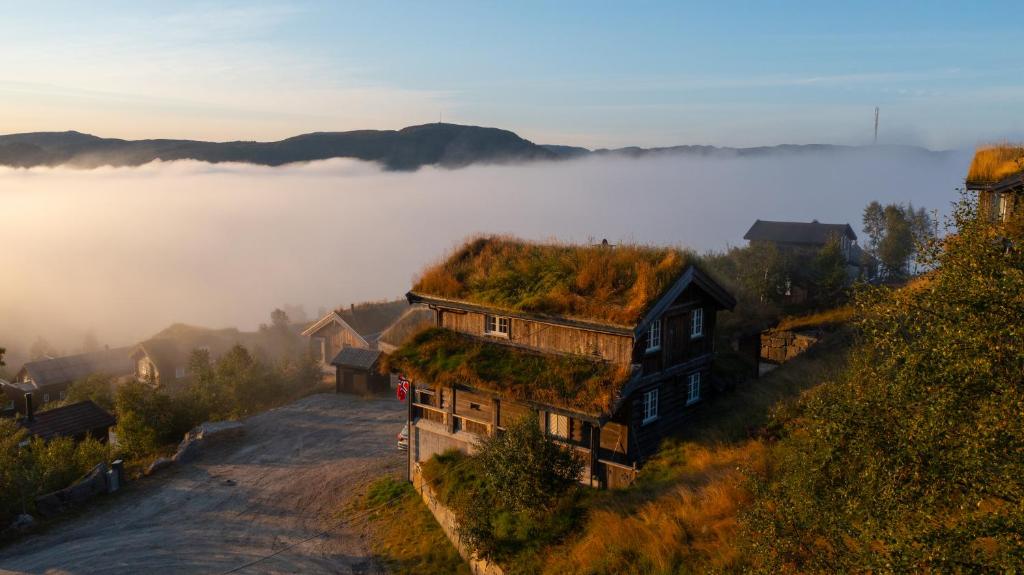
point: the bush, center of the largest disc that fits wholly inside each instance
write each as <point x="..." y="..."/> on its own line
<point x="97" y="388"/>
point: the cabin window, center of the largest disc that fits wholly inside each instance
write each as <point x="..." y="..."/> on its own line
<point x="62" y="395"/>
<point x="179" y="372"/>
<point x="497" y="325"/>
<point x="558" y="426"/>
<point x="650" y="405"/>
<point x="697" y="323"/>
<point x="46" y="398"/>
<point x="654" y="336"/>
<point x="10" y="405"/>
<point x="693" y="389"/>
<point x="1004" y="201"/>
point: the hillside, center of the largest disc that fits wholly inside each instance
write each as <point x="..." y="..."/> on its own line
<point x="444" y="145"/>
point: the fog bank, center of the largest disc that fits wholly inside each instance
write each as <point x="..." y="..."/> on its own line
<point x="127" y="251"/>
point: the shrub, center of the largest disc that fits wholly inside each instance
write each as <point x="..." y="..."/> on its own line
<point x="97" y="388"/>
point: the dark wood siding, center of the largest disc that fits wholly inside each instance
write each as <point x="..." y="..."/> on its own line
<point x="473" y="404"/>
<point x="673" y="410"/>
<point x="547" y="337"/>
<point x="511" y="411"/>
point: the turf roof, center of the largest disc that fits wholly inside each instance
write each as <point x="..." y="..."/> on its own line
<point x="993" y="163"/>
<point x="613" y="285"/>
<point x="445" y="357"/>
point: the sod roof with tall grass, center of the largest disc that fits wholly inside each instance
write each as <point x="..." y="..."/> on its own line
<point x="445" y="357"/>
<point x="607" y="284"/>
<point x="994" y="163"/>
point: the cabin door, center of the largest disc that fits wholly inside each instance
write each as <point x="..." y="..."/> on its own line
<point x="675" y="338"/>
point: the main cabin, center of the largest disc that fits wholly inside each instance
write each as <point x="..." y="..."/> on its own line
<point x="997" y="174"/>
<point x="608" y="348"/>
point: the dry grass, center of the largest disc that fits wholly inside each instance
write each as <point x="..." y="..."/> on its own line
<point x="405" y="537"/>
<point x="441" y="356"/>
<point x="828" y="318"/>
<point x="683" y="515"/>
<point x="611" y="285"/>
<point x="993" y="163"/>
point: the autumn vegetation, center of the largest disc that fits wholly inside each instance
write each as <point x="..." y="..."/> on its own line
<point x="993" y="163"/>
<point x="596" y="282"/>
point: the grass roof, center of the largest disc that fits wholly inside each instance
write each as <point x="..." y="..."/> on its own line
<point x="576" y="383"/>
<point x="614" y="285"/>
<point x="993" y="163"/>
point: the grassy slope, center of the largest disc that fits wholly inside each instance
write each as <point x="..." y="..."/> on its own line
<point x="405" y="537"/>
<point x="682" y="515"/>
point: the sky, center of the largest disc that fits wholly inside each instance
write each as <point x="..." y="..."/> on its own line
<point x="595" y="74"/>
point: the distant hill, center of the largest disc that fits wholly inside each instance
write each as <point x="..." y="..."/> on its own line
<point x="444" y="145"/>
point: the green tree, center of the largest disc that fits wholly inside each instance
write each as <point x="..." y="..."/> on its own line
<point x="874" y="225"/>
<point x="523" y="474"/>
<point x="98" y="388"/>
<point x="912" y="460"/>
<point x="148" y="419"/>
<point x="15" y="484"/>
<point x="897" y="246"/>
<point x="830" y="277"/>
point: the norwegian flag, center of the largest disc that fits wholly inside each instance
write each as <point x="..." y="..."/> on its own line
<point x="403" y="388"/>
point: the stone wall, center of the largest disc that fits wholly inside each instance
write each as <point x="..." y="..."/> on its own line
<point x="446" y="519"/>
<point x="782" y="346"/>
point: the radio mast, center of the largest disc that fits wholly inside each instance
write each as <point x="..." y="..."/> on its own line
<point x="876" y="125"/>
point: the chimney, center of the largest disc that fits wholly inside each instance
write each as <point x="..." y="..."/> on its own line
<point x="30" y="414"/>
<point x="352" y="307"/>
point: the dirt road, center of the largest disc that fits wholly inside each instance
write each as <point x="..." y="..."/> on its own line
<point x="276" y="485"/>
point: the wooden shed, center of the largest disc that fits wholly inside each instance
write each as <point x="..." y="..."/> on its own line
<point x="357" y="372"/>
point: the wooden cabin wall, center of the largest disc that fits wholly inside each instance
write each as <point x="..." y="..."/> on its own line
<point x="614" y="440"/>
<point x="466" y="399"/>
<point x="336" y="337"/>
<point x="672" y="410"/>
<point x="548" y="337"/>
<point x="512" y="411"/>
<point x="676" y="344"/>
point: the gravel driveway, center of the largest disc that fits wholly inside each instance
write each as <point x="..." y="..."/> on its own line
<point x="278" y="484"/>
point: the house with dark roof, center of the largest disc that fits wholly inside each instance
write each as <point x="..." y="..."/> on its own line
<point x="415" y="319"/>
<point x="997" y="174"/>
<point x="358" y="372"/>
<point x="608" y="348"/>
<point x="77" y="421"/>
<point x="810" y="238"/>
<point x="48" y="379"/>
<point x="355" y="326"/>
<point x="163" y="360"/>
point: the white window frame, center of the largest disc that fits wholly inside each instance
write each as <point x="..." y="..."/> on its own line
<point x="179" y="373"/>
<point x="558" y="425"/>
<point x="654" y="336"/>
<point x="693" y="388"/>
<point x="46" y="398"/>
<point x="498" y="325"/>
<point x="697" y="323"/>
<point x="9" y="405"/>
<point x="650" y="405"/>
<point x="62" y="395"/>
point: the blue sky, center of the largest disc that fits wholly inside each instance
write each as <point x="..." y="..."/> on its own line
<point x="585" y="73"/>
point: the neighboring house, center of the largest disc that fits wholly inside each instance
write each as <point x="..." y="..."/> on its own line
<point x="609" y="349"/>
<point x="358" y="372"/>
<point x="163" y="360"/>
<point x="997" y="174"/>
<point x="810" y="238"/>
<point x="77" y="421"/>
<point x="48" y="379"/>
<point x="415" y="319"/>
<point x="356" y="326"/>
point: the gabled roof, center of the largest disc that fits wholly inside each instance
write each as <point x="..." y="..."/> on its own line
<point x="69" y="421"/>
<point x="59" y="370"/>
<point x="366" y="320"/>
<point x="414" y="320"/>
<point x="797" y="232"/>
<point x="172" y="348"/>
<point x="356" y="357"/>
<point x="592" y="285"/>
<point x="1000" y="166"/>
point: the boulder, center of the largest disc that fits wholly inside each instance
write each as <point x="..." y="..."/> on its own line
<point x="23" y="521"/>
<point x="157" y="465"/>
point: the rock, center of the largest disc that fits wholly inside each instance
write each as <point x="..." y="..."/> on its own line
<point x="49" y="505"/>
<point x="93" y="484"/>
<point x="187" y="451"/>
<point x="157" y="465"/>
<point x="23" y="521"/>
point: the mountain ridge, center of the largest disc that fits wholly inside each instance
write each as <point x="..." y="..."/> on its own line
<point x="444" y="145"/>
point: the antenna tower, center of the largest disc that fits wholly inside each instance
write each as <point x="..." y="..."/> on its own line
<point x="876" y="124"/>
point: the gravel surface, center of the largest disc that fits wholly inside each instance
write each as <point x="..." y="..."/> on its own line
<point x="281" y="482"/>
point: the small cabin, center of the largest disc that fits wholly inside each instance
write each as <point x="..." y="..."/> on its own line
<point x="48" y="379"/>
<point x="358" y="372"/>
<point x="997" y="175"/>
<point x="356" y="326"/>
<point x="608" y="348"/>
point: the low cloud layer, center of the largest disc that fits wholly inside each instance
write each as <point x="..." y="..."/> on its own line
<point x="125" y="252"/>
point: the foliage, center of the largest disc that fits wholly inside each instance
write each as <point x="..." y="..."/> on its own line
<point x="97" y="388"/>
<point x="147" y="418"/>
<point x="896" y="233"/>
<point x="913" y="459"/>
<point x="602" y="283"/>
<point x="830" y="276"/>
<point x="993" y="163"/>
<point x="30" y="467"/>
<point x="406" y="538"/>
<point x="829" y="318"/>
<point x="445" y="357"/>
<point x="516" y="495"/>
